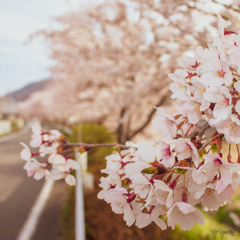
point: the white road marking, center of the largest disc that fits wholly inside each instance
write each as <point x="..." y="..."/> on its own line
<point x="35" y="213"/>
<point x="33" y="218"/>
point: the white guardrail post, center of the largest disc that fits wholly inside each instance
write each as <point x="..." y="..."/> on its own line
<point x="79" y="217"/>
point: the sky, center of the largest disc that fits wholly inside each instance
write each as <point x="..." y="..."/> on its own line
<point x="23" y="61"/>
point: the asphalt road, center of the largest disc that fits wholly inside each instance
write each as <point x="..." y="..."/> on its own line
<point x="19" y="192"/>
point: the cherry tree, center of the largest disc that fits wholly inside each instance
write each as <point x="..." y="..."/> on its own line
<point x="147" y="181"/>
<point x="113" y="60"/>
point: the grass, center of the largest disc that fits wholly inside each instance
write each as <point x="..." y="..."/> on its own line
<point x="15" y="128"/>
<point x="68" y="217"/>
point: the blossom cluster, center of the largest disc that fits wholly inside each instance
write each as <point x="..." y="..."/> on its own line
<point x="150" y="181"/>
<point x="164" y="181"/>
<point x="51" y="151"/>
<point x="208" y="85"/>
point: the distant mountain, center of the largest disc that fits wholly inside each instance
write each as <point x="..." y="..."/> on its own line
<point x="25" y="92"/>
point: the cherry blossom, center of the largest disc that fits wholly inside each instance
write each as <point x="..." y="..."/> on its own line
<point x="120" y="205"/>
<point x="229" y="127"/>
<point x="37" y="135"/>
<point x="144" y="219"/>
<point x="57" y="174"/>
<point x="167" y="157"/>
<point x="192" y="110"/>
<point x="216" y="165"/>
<point x="162" y="193"/>
<point x="25" y="153"/>
<point x="178" y="87"/>
<point x="208" y="196"/>
<point x="222" y="97"/>
<point x="165" y="123"/>
<point x="185" y="149"/>
<point x="185" y="214"/>
<point x="217" y="71"/>
<point x="33" y="167"/>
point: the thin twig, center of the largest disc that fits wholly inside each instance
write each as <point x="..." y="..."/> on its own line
<point x="229" y="158"/>
<point x="200" y="131"/>
<point x="188" y="130"/>
<point x="207" y="143"/>
<point x="88" y="146"/>
<point x="238" y="154"/>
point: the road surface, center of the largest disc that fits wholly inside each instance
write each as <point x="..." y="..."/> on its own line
<point x="18" y="194"/>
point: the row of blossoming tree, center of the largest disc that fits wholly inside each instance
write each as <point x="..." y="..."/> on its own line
<point x="120" y="52"/>
<point x="149" y="180"/>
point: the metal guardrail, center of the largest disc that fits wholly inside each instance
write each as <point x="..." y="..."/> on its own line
<point x="79" y="217"/>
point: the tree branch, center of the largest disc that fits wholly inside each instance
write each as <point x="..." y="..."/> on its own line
<point x="162" y="100"/>
<point x="121" y="125"/>
<point x="88" y="146"/>
<point x="199" y="131"/>
<point x="207" y="143"/>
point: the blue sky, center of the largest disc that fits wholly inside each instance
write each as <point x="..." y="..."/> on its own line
<point x="21" y="61"/>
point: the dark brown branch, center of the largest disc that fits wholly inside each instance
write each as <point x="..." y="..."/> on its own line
<point x="121" y="126"/>
<point x="207" y="143"/>
<point x="162" y="100"/>
<point x="199" y="131"/>
<point x="128" y="128"/>
<point x="89" y="146"/>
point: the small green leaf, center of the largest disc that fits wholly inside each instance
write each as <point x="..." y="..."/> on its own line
<point x="214" y="148"/>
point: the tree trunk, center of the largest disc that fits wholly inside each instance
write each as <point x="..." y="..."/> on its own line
<point x="121" y="126"/>
<point x="149" y="118"/>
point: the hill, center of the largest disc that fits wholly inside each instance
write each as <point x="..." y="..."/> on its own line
<point x="25" y="92"/>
